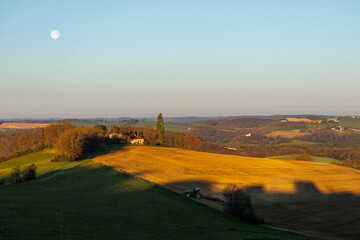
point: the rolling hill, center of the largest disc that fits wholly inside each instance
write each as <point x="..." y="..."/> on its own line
<point x="312" y="197"/>
<point x="87" y="200"/>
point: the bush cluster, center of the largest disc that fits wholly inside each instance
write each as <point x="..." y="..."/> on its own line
<point x="28" y="173"/>
<point x="63" y="158"/>
<point x="304" y="157"/>
<point x="238" y="204"/>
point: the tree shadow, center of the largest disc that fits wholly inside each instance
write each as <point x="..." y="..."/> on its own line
<point x="307" y="210"/>
<point x="92" y="201"/>
<point x="333" y="215"/>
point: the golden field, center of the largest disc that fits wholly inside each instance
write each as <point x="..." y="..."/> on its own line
<point x="171" y="165"/>
<point x="314" y="198"/>
<point x="10" y="125"/>
<point x="286" y="133"/>
<point x="306" y="120"/>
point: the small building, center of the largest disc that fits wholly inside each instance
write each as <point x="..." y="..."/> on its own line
<point x="117" y="135"/>
<point x="248" y="135"/>
<point x="339" y="128"/>
<point x="137" y="140"/>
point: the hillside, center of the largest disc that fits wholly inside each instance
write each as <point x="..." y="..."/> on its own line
<point x="310" y="197"/>
<point x="42" y="160"/>
<point x="86" y="200"/>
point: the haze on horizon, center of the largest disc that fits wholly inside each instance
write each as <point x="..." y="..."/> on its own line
<point x="181" y="58"/>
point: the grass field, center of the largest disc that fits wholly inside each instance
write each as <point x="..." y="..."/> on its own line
<point x="87" y="200"/>
<point x="297" y="141"/>
<point x="311" y="197"/>
<point x="316" y="158"/>
<point x="350" y="122"/>
<point x="42" y="160"/>
<point x="286" y="133"/>
<point x="108" y="124"/>
<point x="171" y="126"/>
<point x="2" y="130"/>
<point x="9" y="125"/>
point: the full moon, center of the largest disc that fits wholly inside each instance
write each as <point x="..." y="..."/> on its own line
<point x="55" y="34"/>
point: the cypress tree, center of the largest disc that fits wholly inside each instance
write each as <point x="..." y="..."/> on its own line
<point x="160" y="131"/>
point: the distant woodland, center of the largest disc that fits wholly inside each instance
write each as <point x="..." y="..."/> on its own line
<point x="246" y="137"/>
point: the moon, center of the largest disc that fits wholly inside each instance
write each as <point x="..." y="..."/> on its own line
<point x="55" y="34"/>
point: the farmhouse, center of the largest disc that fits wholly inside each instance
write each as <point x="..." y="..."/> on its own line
<point x="126" y="138"/>
<point x="339" y="128"/>
<point x="137" y="140"/>
<point x="117" y="135"/>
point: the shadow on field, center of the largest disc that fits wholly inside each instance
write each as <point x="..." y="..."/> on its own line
<point x="92" y="201"/>
<point x="103" y="149"/>
<point x="333" y="216"/>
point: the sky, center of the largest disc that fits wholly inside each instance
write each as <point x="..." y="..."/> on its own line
<point x="182" y="58"/>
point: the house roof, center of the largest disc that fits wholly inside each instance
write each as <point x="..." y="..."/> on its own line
<point x="137" y="137"/>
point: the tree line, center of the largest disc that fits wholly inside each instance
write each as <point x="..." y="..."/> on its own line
<point x="70" y="141"/>
<point x="333" y="137"/>
<point x="155" y="137"/>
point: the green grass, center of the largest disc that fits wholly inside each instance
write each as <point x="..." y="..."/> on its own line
<point x="316" y="158"/>
<point x="92" y="201"/>
<point x="4" y="130"/>
<point x="108" y="124"/>
<point x="350" y="122"/>
<point x="296" y="141"/>
<point x="42" y="160"/>
<point x="171" y="126"/>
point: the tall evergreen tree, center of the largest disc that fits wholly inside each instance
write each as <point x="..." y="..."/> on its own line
<point x="160" y="131"/>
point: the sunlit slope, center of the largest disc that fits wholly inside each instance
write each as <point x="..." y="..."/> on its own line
<point x="309" y="197"/>
<point x="92" y="201"/>
<point x="41" y="159"/>
<point x="171" y="166"/>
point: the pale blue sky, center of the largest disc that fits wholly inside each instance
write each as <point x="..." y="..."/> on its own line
<point x="182" y="58"/>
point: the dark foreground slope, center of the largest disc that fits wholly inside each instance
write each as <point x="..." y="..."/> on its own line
<point x="92" y="201"/>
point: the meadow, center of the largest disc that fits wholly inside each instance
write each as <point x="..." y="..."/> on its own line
<point x="87" y="200"/>
<point x="15" y="125"/>
<point x="286" y="133"/>
<point x="311" y="197"/>
<point x="42" y="160"/>
<point x="315" y="159"/>
<point x="350" y="122"/>
<point x="170" y="126"/>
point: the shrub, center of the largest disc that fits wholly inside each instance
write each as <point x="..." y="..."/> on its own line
<point x="63" y="158"/>
<point x="238" y="204"/>
<point x="29" y="172"/>
<point x="304" y="157"/>
<point x="15" y="175"/>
